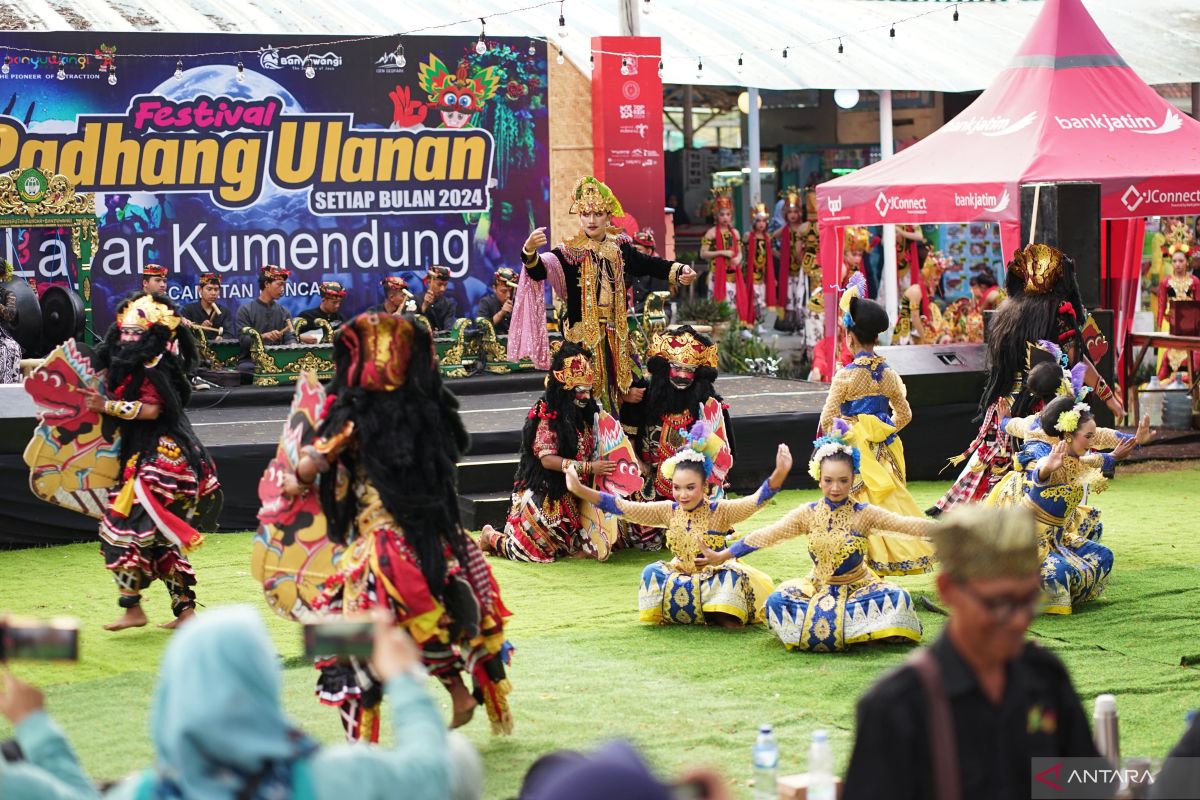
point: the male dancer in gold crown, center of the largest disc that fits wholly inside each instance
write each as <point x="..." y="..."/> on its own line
<point x="591" y="271"/>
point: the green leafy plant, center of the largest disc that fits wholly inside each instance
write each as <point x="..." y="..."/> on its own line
<point x="742" y="352"/>
<point x="705" y="311"/>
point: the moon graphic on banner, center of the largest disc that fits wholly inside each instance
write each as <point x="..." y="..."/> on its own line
<point x="220" y="80"/>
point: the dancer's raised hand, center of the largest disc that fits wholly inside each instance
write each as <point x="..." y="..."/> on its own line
<point x="1144" y="434"/>
<point x="536" y="241"/>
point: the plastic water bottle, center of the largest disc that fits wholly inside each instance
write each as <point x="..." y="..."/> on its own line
<point x="820" y="768"/>
<point x="1177" y="405"/>
<point x="1151" y="401"/>
<point x="766" y="765"/>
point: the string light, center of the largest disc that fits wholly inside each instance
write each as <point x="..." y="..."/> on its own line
<point x="840" y="48"/>
<point x="481" y="45"/>
<point x="112" y="74"/>
<point x="559" y="58"/>
<point x="4" y="67"/>
<point x="646" y="7"/>
<point x="739" y="67"/>
<point x="178" y="69"/>
<point x="785" y="54"/>
<point x="592" y="62"/>
<point x="532" y="49"/>
<point x="624" y="65"/>
<point x="660" y="69"/>
<point x="699" y="68"/>
<point x="241" y="72"/>
<point x="956" y="12"/>
<point x="892" y="32"/>
<point x="562" y="23"/>
<point x="398" y="56"/>
<point x="62" y="72"/>
<point x="310" y="72"/>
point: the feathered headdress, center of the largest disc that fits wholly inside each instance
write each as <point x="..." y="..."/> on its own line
<point x="835" y="442"/>
<point x="703" y="445"/>
<point x="1072" y="383"/>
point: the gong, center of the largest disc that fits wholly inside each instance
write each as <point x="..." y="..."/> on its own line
<point x="27" y="327"/>
<point x="62" y="316"/>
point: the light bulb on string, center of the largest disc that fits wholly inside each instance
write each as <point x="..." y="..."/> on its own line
<point x="532" y="49"/>
<point x="699" y="68"/>
<point x="840" y="48"/>
<point x="646" y="7"/>
<point x="592" y="62"/>
<point x="956" y="12"/>
<point x="660" y="69"/>
<point x="241" y="72"/>
<point x="62" y="72"/>
<point x="739" y="66"/>
<point x="562" y="23"/>
<point x="481" y="45"/>
<point x="310" y="71"/>
<point x="892" y="32"/>
<point x="398" y="56"/>
<point x="178" y="70"/>
<point x="624" y="65"/>
<point x="785" y="54"/>
<point x="112" y="75"/>
<point x="559" y="58"/>
<point x="4" y="67"/>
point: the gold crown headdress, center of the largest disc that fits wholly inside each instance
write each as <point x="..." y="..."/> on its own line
<point x="591" y="195"/>
<point x="146" y="312"/>
<point x="793" y="198"/>
<point x="857" y="238"/>
<point x="683" y="348"/>
<point x="722" y="201"/>
<point x="576" y="372"/>
<point x="1179" y="240"/>
<point x="761" y="212"/>
<point x="935" y="264"/>
<point x="1039" y="265"/>
<point x="381" y="348"/>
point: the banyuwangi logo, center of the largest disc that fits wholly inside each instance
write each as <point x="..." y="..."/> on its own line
<point x="1133" y="197"/>
<point x="990" y="126"/>
<point x="885" y="204"/>
<point x="982" y="200"/>
<point x="270" y="58"/>
<point x="1135" y="123"/>
<point x="835" y="205"/>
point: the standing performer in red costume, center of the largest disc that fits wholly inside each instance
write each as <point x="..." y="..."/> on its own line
<point x="760" y="270"/>
<point x="722" y="247"/>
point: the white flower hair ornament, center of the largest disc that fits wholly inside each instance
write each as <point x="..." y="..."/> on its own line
<point x="826" y="446"/>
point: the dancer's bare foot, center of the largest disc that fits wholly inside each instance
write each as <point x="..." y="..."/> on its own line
<point x="133" y="617"/>
<point x="463" y="703"/>
<point x="183" y="617"/>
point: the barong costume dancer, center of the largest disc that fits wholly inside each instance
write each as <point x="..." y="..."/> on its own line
<point x="544" y="522"/>
<point x="681" y="591"/>
<point x="842" y="602"/>
<point x="871" y="398"/>
<point x="386" y="450"/>
<point x="722" y="247"/>
<point x="1179" y="284"/>
<point x="10" y="351"/>
<point x="920" y="320"/>
<point x="683" y="368"/>
<point x="760" y="263"/>
<point x="167" y="478"/>
<point x="1057" y="478"/>
<point x="1043" y="304"/>
<point x="590" y="271"/>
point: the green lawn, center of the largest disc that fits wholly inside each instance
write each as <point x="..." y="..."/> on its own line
<point x="585" y="670"/>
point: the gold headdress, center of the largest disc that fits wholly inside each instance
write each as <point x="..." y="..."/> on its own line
<point x="793" y="198"/>
<point x="1179" y="240"/>
<point x="591" y="195"/>
<point x="761" y="212"/>
<point x="1039" y="265"/>
<point x="381" y="348"/>
<point x="857" y="239"/>
<point x="146" y="312"/>
<point x="935" y="264"/>
<point x="722" y="201"/>
<point x="682" y="347"/>
<point x="576" y="372"/>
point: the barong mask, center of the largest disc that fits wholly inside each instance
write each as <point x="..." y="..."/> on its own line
<point x="577" y="375"/>
<point x="144" y="313"/>
<point x="459" y="95"/>
<point x="381" y="347"/>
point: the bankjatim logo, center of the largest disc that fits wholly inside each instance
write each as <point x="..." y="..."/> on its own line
<point x="1134" y="123"/>
<point x="990" y="126"/>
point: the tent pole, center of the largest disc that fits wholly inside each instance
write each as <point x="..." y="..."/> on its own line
<point x="754" y="147"/>
<point x="631" y="21"/>
<point x="1195" y="100"/>
<point x="887" y="281"/>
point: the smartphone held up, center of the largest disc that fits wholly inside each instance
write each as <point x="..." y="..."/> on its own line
<point x="31" y="639"/>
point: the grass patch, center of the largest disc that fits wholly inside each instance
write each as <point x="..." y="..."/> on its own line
<point x="585" y="670"/>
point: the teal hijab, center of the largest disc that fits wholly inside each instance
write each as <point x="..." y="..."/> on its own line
<point x="218" y="729"/>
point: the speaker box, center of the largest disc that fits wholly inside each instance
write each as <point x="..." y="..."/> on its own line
<point x="937" y="374"/>
<point x="1068" y="217"/>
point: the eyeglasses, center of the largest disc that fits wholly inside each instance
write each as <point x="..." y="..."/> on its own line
<point x="1003" y="607"/>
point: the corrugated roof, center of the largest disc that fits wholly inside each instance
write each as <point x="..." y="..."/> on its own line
<point x="930" y="53"/>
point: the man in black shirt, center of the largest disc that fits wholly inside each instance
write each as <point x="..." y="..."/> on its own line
<point x="497" y="305"/>
<point x="329" y="309"/>
<point x="205" y="313"/>
<point x="1004" y="700"/>
<point x="397" y="299"/>
<point x="435" y="305"/>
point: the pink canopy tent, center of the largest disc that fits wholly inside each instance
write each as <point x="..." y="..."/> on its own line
<point x="1068" y="108"/>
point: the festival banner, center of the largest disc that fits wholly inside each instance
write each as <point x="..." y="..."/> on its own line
<point x="627" y="124"/>
<point x="345" y="162"/>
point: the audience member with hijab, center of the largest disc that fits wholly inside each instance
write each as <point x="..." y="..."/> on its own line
<point x="219" y="730"/>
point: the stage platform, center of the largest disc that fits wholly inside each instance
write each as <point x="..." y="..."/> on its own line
<point x="241" y="428"/>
